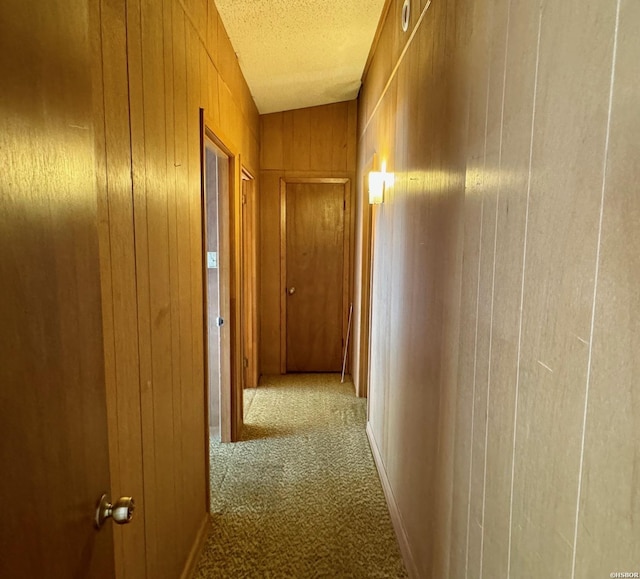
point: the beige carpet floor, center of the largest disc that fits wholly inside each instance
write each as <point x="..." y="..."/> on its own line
<point x="299" y="496"/>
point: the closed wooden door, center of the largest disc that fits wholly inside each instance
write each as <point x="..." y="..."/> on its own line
<point x="54" y="454"/>
<point x="315" y="249"/>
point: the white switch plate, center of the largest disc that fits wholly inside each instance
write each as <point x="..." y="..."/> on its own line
<point x="212" y="259"/>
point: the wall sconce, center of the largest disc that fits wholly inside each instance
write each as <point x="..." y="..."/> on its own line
<point x="379" y="181"/>
<point x="376" y="187"/>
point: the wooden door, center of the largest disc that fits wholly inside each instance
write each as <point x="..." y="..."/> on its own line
<point x="315" y="275"/>
<point x="53" y="445"/>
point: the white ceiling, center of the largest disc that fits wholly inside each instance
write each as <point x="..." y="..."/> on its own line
<point x="301" y="53"/>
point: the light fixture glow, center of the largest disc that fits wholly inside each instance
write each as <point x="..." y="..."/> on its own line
<point x="376" y="187"/>
<point x="379" y="182"/>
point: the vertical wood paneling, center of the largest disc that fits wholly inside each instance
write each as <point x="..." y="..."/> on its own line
<point x="199" y="12"/>
<point x="416" y="365"/>
<point x="339" y="116"/>
<point x="301" y="141"/>
<point x="212" y="102"/>
<point x="313" y="142"/>
<point x="449" y="96"/>
<point x="171" y="78"/>
<point x="183" y="249"/>
<point x="472" y="213"/>
<point x="558" y="293"/>
<point x="352" y="136"/>
<point x="500" y="170"/>
<point x="155" y="121"/>
<point x="228" y="113"/>
<point x="514" y="170"/>
<point x="152" y="258"/>
<point x="490" y="64"/>
<point x="119" y="285"/>
<point x="212" y="29"/>
<point x="192" y="399"/>
<point x="136" y="114"/>
<point x="227" y="61"/>
<point x="287" y="141"/>
<point x="324" y="142"/>
<point x="271" y="138"/>
<point x="609" y="506"/>
<point x="270" y="270"/>
<point x="466" y="395"/>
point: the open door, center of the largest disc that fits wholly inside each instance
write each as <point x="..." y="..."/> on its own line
<point x="217" y="272"/>
<point x="221" y="227"/>
<point x="53" y="450"/>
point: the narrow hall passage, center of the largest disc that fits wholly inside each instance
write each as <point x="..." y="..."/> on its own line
<point x="299" y="496"/>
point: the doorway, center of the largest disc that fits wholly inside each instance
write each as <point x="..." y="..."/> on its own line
<point x="249" y="284"/>
<point x="217" y="178"/>
<point x="315" y="273"/>
<point x="366" y="281"/>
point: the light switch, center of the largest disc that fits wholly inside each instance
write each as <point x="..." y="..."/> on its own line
<point x="212" y="259"/>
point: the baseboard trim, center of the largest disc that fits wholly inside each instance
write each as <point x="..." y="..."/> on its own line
<point x="396" y="517"/>
<point x="196" y="549"/>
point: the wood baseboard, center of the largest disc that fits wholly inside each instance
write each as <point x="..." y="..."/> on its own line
<point x="196" y="549"/>
<point x="396" y="517"/>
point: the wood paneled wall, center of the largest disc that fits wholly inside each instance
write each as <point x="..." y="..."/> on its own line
<point x="505" y="306"/>
<point x="312" y="142"/>
<point x="157" y="62"/>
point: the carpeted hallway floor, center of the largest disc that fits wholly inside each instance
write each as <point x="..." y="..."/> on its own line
<point x="299" y="497"/>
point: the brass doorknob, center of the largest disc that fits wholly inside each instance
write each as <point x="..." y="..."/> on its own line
<point x="292" y="290"/>
<point x="121" y="511"/>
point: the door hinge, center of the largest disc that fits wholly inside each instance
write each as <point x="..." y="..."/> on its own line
<point x="244" y="199"/>
<point x="245" y="362"/>
<point x="344" y="204"/>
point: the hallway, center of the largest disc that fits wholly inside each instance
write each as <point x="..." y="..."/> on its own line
<point x="299" y="496"/>
<point x="475" y="191"/>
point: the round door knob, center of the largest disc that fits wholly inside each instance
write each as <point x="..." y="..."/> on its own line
<point x="292" y="290"/>
<point x="121" y="511"/>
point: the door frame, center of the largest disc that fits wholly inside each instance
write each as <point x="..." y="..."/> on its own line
<point x="366" y="284"/>
<point x="249" y="268"/>
<point x="230" y="384"/>
<point x="346" y="263"/>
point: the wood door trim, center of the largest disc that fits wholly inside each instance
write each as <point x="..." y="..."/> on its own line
<point x="366" y="282"/>
<point x="249" y="281"/>
<point x="346" y="264"/>
<point x="346" y="244"/>
<point x="229" y="398"/>
<point x="329" y="180"/>
<point x="365" y="300"/>
<point x="235" y="296"/>
<point x="283" y="275"/>
<point x="254" y="306"/>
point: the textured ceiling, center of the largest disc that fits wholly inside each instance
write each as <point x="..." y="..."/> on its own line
<point x="301" y="53"/>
